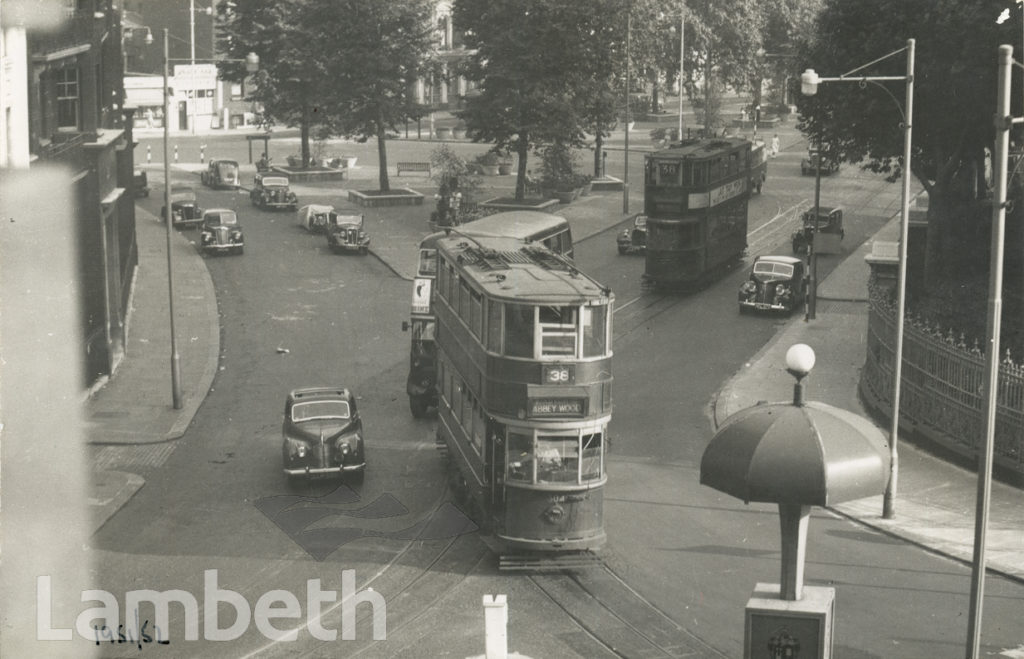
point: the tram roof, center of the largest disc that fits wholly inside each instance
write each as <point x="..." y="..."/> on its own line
<point x="701" y="148"/>
<point x="508" y="223"/>
<point x="509" y="269"/>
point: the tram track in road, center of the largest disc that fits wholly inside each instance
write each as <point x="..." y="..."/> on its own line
<point x="615" y="620"/>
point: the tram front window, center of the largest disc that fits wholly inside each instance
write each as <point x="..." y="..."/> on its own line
<point x="591" y="457"/>
<point x="595" y="335"/>
<point x="557" y="459"/>
<point x="518" y="330"/>
<point x="558" y="331"/>
<point x="520" y="457"/>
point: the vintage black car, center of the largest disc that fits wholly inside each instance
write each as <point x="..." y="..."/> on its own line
<point x="809" y="165"/>
<point x="140" y="183"/>
<point x="322" y="434"/>
<point x="776" y="283"/>
<point x="185" y="210"/>
<point x="221" y="232"/>
<point x="633" y="238"/>
<point x="830" y="231"/>
<point x="273" y="193"/>
<point x="345" y="233"/>
<point x="221" y="173"/>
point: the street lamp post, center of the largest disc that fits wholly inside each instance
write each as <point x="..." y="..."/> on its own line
<point x="625" y="164"/>
<point x="809" y="82"/>
<point x="251" y="64"/>
<point x="1003" y="121"/>
<point x="682" y="55"/>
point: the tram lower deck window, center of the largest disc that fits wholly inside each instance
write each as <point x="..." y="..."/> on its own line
<point x="557" y="459"/>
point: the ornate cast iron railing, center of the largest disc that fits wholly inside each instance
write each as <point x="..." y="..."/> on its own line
<point x="942" y="383"/>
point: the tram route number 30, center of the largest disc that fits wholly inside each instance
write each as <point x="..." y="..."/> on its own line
<point x="558" y="374"/>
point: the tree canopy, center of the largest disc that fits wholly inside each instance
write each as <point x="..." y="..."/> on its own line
<point x="954" y="98"/>
<point x="333" y="67"/>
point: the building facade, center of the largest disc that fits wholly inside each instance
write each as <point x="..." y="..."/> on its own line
<point x="64" y="120"/>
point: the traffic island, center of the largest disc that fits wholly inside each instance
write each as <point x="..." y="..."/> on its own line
<point x="798" y="455"/>
<point x="513" y="204"/>
<point x="396" y="197"/>
<point x="306" y="174"/>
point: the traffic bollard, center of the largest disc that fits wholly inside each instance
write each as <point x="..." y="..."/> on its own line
<point x="202" y="153"/>
<point x="149" y="154"/>
<point x="175" y="154"/>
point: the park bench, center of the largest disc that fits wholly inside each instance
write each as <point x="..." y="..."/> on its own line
<point x="413" y="167"/>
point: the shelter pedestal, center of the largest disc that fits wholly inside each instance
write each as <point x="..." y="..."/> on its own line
<point x="780" y="628"/>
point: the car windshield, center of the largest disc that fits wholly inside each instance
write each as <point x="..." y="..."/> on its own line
<point x="226" y="218"/>
<point x="773" y="268"/>
<point x="320" y="409"/>
<point x="640" y="222"/>
<point x="227" y="167"/>
<point x="346" y="221"/>
<point x="183" y="194"/>
<point x="275" y="182"/>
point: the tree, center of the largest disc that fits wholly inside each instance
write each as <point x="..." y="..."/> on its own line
<point x="954" y="92"/>
<point x="374" y="52"/>
<point x="534" y="62"/>
<point x="291" y="77"/>
<point x="332" y="67"/>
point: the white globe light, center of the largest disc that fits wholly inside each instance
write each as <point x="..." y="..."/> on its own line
<point x="800" y="358"/>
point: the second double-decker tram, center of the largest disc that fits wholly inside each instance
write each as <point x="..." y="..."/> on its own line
<point x="525" y="389"/>
<point x="695" y="199"/>
<point x="552" y="231"/>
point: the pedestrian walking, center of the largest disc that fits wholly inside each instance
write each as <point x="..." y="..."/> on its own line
<point x="775" y="145"/>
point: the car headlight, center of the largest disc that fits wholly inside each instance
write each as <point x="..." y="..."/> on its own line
<point x="748" y="287"/>
<point x="783" y="290"/>
<point x="296" y="448"/>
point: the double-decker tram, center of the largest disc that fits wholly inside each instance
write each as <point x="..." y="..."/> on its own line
<point x="525" y="391"/>
<point x="695" y="199"/>
<point x="552" y="231"/>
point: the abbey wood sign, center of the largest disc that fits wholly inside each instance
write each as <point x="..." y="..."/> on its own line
<point x="557" y="407"/>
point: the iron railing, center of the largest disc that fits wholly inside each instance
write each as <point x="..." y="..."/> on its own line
<point x="942" y="384"/>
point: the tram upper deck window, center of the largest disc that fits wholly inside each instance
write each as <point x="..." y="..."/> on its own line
<point x="700" y="174"/>
<point x="494" y="326"/>
<point x="428" y="263"/>
<point x="558" y="331"/>
<point x="595" y="331"/>
<point x="716" y="170"/>
<point x="557" y="459"/>
<point x="518" y="330"/>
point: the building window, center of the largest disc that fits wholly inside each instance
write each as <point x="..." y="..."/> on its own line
<point x="67" y="99"/>
<point x="237" y="93"/>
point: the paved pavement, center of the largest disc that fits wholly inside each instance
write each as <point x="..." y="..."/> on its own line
<point x="935" y="502"/>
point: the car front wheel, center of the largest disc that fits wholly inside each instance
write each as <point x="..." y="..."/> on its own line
<point x="418" y="406"/>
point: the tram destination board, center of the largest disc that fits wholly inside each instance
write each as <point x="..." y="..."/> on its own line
<point x="558" y="407"/>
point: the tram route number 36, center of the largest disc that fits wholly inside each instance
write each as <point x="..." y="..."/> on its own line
<point x="558" y="374"/>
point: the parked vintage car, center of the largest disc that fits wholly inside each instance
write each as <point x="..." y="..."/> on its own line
<point x="185" y="210"/>
<point x="830" y="231"/>
<point x="315" y="217"/>
<point x="221" y="173"/>
<point x="140" y="183"/>
<point x="345" y="233"/>
<point x="322" y="433"/>
<point x="776" y="283"/>
<point x="272" y="192"/>
<point x="221" y="232"/>
<point x="809" y="165"/>
<point x="633" y="238"/>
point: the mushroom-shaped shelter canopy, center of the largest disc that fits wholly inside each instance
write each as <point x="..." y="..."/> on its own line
<point x="812" y="454"/>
